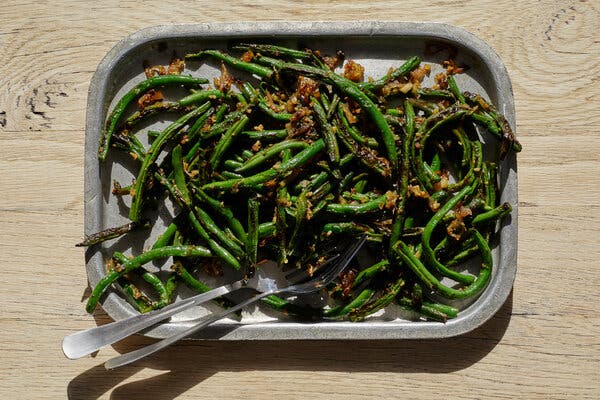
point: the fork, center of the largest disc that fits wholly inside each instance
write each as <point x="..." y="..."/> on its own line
<point x="270" y="288"/>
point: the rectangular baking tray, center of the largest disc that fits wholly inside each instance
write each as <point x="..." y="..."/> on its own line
<point x="378" y="46"/>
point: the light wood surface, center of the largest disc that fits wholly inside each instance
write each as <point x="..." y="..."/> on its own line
<point x="543" y="344"/>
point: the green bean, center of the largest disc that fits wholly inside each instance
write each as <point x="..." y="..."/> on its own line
<point x="358" y="314"/>
<point x="179" y="174"/>
<point x="200" y="122"/>
<point x="279" y="116"/>
<point x="424" y="106"/>
<point x="266" y="230"/>
<point x="274" y="50"/>
<point x="404" y="69"/>
<point x="199" y="97"/>
<point x="364" y="296"/>
<point x="437" y="120"/>
<point x="451" y="312"/>
<point x="492" y="215"/>
<point x="375" y="205"/>
<point x="225" y="142"/>
<point x="352" y="131"/>
<point x="158" y="286"/>
<point x="220" y="127"/>
<point x="299" y="159"/>
<point x="360" y="186"/>
<point x="136" y="262"/>
<point x="435" y="93"/>
<point x="172" y="106"/>
<point x="364" y="154"/>
<point x="332" y="106"/>
<point x="462" y="256"/>
<point x="166" y="238"/>
<point x="453" y="87"/>
<point x="345" y="227"/>
<point x="111" y="233"/>
<point x="141" y="302"/>
<point x="270" y="152"/>
<point x="225" y="212"/>
<point x="130" y="144"/>
<point x="151" y="156"/>
<point x="119" y="110"/>
<point x="194" y="132"/>
<point x="428" y="231"/>
<point x="428" y="310"/>
<point x="209" y="224"/>
<point x="351" y="90"/>
<point x="256" y="69"/>
<point x="216" y="248"/>
<point x="232" y="164"/>
<point x="432" y="282"/>
<point x="196" y="284"/>
<point x="252" y="238"/>
<point x="489" y="183"/>
<point x="277" y="134"/>
<point x="507" y="137"/>
<point x="283" y="201"/>
<point x="152" y="109"/>
<point x="327" y="132"/>
<point x="368" y="273"/>
<point x="400" y="212"/>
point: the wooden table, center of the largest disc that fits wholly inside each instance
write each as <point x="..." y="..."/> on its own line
<point x="545" y="341"/>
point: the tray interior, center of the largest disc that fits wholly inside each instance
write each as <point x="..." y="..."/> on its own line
<point x="377" y="53"/>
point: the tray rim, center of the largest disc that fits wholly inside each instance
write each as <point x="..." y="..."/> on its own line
<point x="474" y="316"/>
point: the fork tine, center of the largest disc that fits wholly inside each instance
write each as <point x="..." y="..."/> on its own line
<point x="346" y="256"/>
<point x="331" y="273"/>
<point x="299" y="274"/>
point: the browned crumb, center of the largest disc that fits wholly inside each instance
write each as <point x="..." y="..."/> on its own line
<point x="176" y="66"/>
<point x="347" y="280"/>
<point x="416" y="191"/>
<point x="417" y="75"/>
<point x="391" y="198"/>
<point x="150" y="97"/>
<point x="440" y="81"/>
<point x="442" y="183"/>
<point x="452" y="68"/>
<point x="247" y="56"/>
<point x="306" y="88"/>
<point x="354" y="71"/>
<point x="330" y="61"/>
<point x="155" y="70"/>
<point x="457" y="227"/>
<point x="348" y="113"/>
<point x="223" y="83"/>
<point x="301" y="124"/>
<point x="391" y="87"/>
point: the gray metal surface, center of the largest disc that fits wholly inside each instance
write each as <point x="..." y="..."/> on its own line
<point x="377" y="46"/>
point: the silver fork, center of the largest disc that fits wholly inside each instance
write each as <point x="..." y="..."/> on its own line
<point x="269" y="287"/>
<point x="82" y="343"/>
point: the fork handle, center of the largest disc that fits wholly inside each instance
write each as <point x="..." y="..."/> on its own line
<point x="86" y="342"/>
<point x="135" y="355"/>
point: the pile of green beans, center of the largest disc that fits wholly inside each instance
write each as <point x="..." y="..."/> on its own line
<point x="285" y="157"/>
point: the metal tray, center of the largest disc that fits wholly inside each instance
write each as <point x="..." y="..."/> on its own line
<point x="377" y="46"/>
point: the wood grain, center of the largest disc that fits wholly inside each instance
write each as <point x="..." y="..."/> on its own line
<point x="543" y="344"/>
